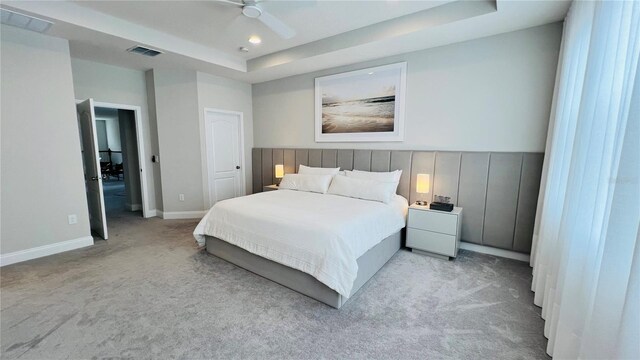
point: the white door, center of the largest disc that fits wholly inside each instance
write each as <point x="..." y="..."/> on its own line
<point x="224" y="154"/>
<point x="92" y="173"/>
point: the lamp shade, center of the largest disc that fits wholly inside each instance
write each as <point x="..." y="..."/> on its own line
<point x="279" y="171"/>
<point x="422" y="184"/>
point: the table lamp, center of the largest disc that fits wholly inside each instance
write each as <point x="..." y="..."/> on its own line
<point x="422" y="187"/>
<point x="279" y="172"/>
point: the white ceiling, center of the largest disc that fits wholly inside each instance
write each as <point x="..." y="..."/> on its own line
<point x="206" y="35"/>
<point x="222" y="26"/>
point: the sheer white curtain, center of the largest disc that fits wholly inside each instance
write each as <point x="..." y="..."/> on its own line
<point x="585" y="253"/>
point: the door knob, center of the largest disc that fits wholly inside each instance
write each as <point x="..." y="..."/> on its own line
<point x="95" y="178"/>
<point x="238" y="167"/>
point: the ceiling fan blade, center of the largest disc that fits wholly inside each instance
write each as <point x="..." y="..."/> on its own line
<point x="277" y="26"/>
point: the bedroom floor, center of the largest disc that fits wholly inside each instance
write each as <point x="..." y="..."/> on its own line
<point x="148" y="293"/>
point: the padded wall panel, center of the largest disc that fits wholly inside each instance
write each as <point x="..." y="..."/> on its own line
<point x="362" y="160"/>
<point x="401" y="160"/>
<point x="472" y="192"/>
<point x="498" y="191"/>
<point x="278" y="158"/>
<point x="267" y="167"/>
<point x="447" y="175"/>
<point x="329" y="158"/>
<point x="380" y="160"/>
<point x="302" y="158"/>
<point x="315" y="158"/>
<point x="345" y="159"/>
<point x="422" y="163"/>
<point x="256" y="169"/>
<point x="527" y="201"/>
<point x="289" y="161"/>
<point x="502" y="200"/>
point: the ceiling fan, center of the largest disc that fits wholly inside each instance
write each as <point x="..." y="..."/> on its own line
<point x="253" y="10"/>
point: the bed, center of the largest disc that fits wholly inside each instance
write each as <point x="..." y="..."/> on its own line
<point x="321" y="245"/>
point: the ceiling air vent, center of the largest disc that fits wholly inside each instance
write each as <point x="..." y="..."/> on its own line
<point x="144" y="51"/>
<point x="23" y="21"/>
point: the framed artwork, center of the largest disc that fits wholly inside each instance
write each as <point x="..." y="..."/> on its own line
<point x="361" y="105"/>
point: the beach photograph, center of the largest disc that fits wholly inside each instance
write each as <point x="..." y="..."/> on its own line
<point x="360" y="104"/>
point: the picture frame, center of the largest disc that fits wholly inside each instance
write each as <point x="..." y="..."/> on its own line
<point x="364" y="105"/>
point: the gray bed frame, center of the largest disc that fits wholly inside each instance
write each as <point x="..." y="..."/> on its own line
<point x="368" y="265"/>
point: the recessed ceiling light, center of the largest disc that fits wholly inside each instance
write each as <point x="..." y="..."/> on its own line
<point x="371" y="73"/>
<point x="255" y="39"/>
<point x="243" y="49"/>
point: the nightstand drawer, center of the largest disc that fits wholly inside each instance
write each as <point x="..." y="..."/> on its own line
<point x="431" y="242"/>
<point x="433" y="221"/>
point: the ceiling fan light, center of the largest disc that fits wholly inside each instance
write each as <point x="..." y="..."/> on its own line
<point x="255" y="39"/>
<point x="251" y="11"/>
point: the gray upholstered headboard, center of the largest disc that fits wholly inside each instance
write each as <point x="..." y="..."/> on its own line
<point x="498" y="191"/>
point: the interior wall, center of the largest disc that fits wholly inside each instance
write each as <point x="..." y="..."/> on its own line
<point x="113" y="134"/>
<point x="489" y="94"/>
<point x="180" y="97"/>
<point x="113" y="140"/>
<point x="113" y="84"/>
<point x="41" y="169"/>
<point x="128" y="139"/>
<point x="155" y="146"/>
<point x="225" y="94"/>
<point x="176" y="99"/>
<point x="101" y="134"/>
<point x="108" y="133"/>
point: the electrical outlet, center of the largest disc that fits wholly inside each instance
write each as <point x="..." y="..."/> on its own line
<point x="73" y="219"/>
<point x="181" y="197"/>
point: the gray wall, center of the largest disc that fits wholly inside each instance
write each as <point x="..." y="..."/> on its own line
<point x="490" y="94"/>
<point x="153" y="129"/>
<point x="498" y="191"/>
<point x="180" y="97"/>
<point x="176" y="99"/>
<point x="129" y="141"/>
<point x="226" y="94"/>
<point x="42" y="176"/>
<point x="113" y="84"/>
<point x="101" y="134"/>
<point x="108" y="133"/>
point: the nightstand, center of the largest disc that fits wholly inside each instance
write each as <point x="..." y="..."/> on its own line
<point x="433" y="232"/>
<point x="270" y="188"/>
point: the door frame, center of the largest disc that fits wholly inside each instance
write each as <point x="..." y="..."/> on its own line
<point x="137" y="111"/>
<point x="205" y="139"/>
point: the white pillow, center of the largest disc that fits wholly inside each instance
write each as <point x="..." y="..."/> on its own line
<point x="302" y="182"/>
<point x="307" y="170"/>
<point x="393" y="176"/>
<point x="362" y="189"/>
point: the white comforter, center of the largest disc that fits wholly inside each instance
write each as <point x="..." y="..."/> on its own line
<point x="320" y="234"/>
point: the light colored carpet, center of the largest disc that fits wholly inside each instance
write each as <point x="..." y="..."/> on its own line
<point x="149" y="293"/>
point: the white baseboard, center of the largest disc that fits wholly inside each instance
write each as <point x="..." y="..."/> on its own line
<point x="494" y="251"/>
<point x="151" y="213"/>
<point x="45" y="250"/>
<point x="133" y="207"/>
<point x="170" y="215"/>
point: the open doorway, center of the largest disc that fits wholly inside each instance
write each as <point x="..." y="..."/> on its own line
<point x="113" y="153"/>
<point x="118" y="152"/>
